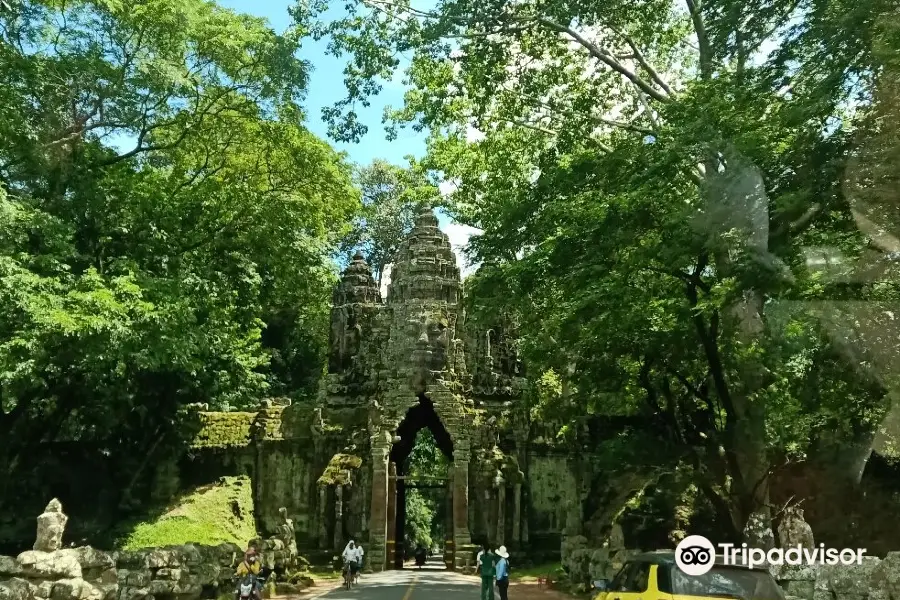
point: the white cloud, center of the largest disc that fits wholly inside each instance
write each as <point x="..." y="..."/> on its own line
<point x="448" y="186"/>
<point x="459" y="236"/>
<point x="386" y="279"/>
<point x="473" y="135"/>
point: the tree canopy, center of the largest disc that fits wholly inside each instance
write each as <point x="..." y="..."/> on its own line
<point x="653" y="179"/>
<point x="392" y="197"/>
<point x="166" y="221"/>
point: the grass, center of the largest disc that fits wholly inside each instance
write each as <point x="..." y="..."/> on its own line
<point x="527" y="574"/>
<point x="209" y="515"/>
<point x="323" y="574"/>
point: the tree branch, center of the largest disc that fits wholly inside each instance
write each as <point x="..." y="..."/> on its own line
<point x="606" y="58"/>
<point x="642" y="60"/>
<point x="702" y="38"/>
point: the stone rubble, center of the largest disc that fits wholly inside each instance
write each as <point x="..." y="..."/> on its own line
<point x="188" y="572"/>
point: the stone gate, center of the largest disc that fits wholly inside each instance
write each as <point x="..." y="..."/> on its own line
<point x="397" y="365"/>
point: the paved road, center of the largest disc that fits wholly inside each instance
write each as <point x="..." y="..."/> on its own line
<point x="429" y="583"/>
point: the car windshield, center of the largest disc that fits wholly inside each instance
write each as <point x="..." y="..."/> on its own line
<point x="727" y="582"/>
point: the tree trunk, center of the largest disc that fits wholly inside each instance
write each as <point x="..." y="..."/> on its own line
<point x="737" y="200"/>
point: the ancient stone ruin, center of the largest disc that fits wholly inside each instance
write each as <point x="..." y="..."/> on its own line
<point x="397" y="365"/>
<point x="52" y="572"/>
<point x="332" y="468"/>
<point x="188" y="572"/>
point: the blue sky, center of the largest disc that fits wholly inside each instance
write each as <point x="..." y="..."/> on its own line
<point x="326" y="86"/>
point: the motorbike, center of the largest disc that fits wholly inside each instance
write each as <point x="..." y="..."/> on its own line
<point x="250" y="587"/>
<point x="420" y="558"/>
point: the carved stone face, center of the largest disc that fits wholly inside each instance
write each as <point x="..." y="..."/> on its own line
<point x="438" y="342"/>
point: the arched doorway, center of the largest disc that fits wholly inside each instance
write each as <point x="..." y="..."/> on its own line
<point x="431" y="486"/>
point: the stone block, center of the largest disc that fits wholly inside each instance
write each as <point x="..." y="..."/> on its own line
<point x="9" y="567"/>
<point x="75" y="589"/>
<point x="133" y="593"/>
<point x="44" y="588"/>
<point x="133" y="560"/>
<point x="206" y="574"/>
<point x="90" y="558"/>
<point x="160" y="587"/>
<point x="62" y="564"/>
<point x="169" y="574"/>
<point x="885" y="578"/>
<point x="801" y="589"/>
<point x="159" y="558"/>
<point x="787" y="572"/>
<point x="137" y="579"/>
<point x="17" y="589"/>
<point x="847" y="582"/>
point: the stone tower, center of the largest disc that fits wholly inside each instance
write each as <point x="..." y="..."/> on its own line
<point x="397" y="365"/>
<point x="423" y="374"/>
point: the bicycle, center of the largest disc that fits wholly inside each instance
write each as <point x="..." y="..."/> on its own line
<point x="348" y="576"/>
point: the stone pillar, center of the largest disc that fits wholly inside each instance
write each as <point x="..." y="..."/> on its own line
<point x="484" y="519"/>
<point x="574" y="522"/>
<point x="378" y="513"/>
<point x="363" y="505"/>
<point x="391" y="536"/>
<point x="461" y="534"/>
<point x="448" y="516"/>
<point x="338" y="515"/>
<point x="517" y="513"/>
<point x="525" y="528"/>
<point x="501" y="514"/>
<point x="324" y="542"/>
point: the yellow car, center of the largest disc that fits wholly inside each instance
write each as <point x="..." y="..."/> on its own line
<point x="655" y="576"/>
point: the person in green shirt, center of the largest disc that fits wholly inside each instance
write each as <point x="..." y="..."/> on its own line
<point x="487" y="568"/>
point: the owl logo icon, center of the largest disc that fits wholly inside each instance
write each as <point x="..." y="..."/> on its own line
<point x="695" y="555"/>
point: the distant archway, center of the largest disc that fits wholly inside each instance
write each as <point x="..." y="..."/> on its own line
<point x="419" y="417"/>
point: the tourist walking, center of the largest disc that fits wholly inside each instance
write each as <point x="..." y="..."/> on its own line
<point x="360" y="558"/>
<point x="488" y="569"/>
<point x="502" y="572"/>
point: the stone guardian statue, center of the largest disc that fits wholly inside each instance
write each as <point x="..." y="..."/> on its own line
<point x="50" y="527"/>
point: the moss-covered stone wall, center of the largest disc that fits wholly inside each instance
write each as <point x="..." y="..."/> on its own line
<point x="224" y="430"/>
<point x="552" y="493"/>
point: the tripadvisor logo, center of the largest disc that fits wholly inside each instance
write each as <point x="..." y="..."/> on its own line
<point x="695" y="555"/>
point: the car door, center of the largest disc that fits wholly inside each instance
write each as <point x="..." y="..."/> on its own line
<point x="632" y="582"/>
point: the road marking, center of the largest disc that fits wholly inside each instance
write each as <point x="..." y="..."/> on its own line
<point x="409" y="590"/>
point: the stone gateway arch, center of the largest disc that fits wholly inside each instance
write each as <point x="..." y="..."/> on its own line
<point x="397" y="365"/>
<point x="398" y="362"/>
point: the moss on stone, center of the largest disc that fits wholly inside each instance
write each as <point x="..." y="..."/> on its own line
<point x="268" y="423"/>
<point x="224" y="430"/>
<point x="338" y="471"/>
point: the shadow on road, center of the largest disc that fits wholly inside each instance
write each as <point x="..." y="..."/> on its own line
<point x="409" y="584"/>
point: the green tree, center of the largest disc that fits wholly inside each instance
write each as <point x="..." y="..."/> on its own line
<point x="648" y="173"/>
<point x="426" y="508"/>
<point x="162" y="205"/>
<point x="392" y="197"/>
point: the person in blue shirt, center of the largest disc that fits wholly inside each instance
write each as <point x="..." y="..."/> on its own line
<point x="502" y="570"/>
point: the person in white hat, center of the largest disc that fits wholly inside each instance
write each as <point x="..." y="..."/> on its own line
<point x="502" y="569"/>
